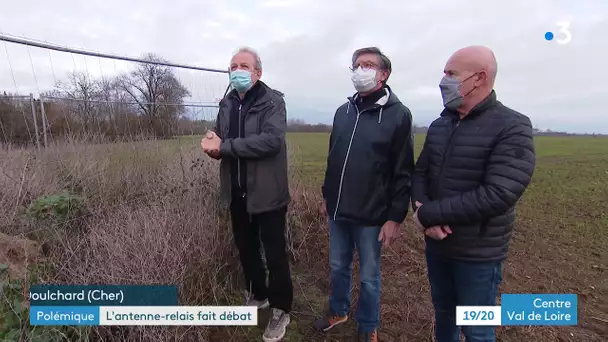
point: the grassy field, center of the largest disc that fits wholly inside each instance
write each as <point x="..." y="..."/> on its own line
<point x="147" y="213"/>
<point x="558" y="246"/>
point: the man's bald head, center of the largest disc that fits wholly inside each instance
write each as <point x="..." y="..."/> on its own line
<point x="475" y="68"/>
<point x="474" y="59"/>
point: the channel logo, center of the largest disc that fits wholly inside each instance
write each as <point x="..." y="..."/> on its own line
<point x="564" y="36"/>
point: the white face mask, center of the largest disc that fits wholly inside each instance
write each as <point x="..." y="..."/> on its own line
<point x="364" y="80"/>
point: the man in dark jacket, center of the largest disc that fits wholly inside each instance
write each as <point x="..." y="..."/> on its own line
<point x="367" y="187"/>
<point x="250" y="141"/>
<point x="476" y="162"/>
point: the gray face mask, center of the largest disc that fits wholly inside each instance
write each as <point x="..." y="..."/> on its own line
<point x="450" y="92"/>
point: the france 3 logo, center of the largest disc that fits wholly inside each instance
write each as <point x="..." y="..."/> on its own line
<point x="563" y="36"/>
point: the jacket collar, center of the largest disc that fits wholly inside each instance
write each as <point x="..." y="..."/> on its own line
<point x="257" y="90"/>
<point x="387" y="100"/>
<point x="384" y="102"/>
<point x="487" y="103"/>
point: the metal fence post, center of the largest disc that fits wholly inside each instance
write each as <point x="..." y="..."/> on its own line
<point x="35" y="121"/>
<point x="43" y="112"/>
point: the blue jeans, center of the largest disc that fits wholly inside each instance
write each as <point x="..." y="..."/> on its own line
<point x="344" y="237"/>
<point x="455" y="283"/>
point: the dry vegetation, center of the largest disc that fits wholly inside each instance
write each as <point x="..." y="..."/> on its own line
<point x="148" y="213"/>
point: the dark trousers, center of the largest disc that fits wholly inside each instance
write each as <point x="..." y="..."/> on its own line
<point x="456" y="283"/>
<point x="268" y="227"/>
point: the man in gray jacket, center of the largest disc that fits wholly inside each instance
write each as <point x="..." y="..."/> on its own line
<point x="249" y="139"/>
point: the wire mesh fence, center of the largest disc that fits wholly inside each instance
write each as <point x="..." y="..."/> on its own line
<point x="113" y="97"/>
<point x="18" y="120"/>
<point x="112" y="202"/>
<point x="74" y="179"/>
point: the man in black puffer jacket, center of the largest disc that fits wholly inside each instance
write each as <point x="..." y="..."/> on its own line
<point x="476" y="163"/>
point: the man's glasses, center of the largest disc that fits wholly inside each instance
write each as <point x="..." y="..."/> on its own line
<point x="365" y="66"/>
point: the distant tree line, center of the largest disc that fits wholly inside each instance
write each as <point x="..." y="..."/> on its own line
<point x="299" y="125"/>
<point x="549" y="132"/>
<point x="147" y="102"/>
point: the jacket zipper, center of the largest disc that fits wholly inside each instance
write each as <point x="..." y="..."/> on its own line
<point x="346" y="158"/>
<point x="447" y="151"/>
<point x="238" y="167"/>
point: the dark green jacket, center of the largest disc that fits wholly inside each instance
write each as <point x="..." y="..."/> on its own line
<point x="263" y="148"/>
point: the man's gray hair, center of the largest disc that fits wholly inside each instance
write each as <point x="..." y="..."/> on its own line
<point x="385" y="63"/>
<point x="256" y="57"/>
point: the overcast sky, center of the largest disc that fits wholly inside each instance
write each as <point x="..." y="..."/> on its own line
<point x="305" y="46"/>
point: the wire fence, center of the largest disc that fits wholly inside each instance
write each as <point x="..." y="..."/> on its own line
<point x="113" y="96"/>
<point x="105" y="208"/>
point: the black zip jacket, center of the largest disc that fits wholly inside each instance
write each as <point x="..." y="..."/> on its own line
<point x="236" y="129"/>
<point x="370" y="162"/>
<point x="469" y="176"/>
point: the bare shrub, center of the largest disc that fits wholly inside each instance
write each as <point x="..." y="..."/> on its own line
<point x="152" y="217"/>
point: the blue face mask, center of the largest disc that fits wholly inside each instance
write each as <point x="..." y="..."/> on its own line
<point x="450" y="91"/>
<point x="241" y="80"/>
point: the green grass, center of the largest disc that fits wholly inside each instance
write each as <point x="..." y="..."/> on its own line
<point x="558" y="245"/>
<point x="560" y="238"/>
<point x="568" y="191"/>
<point x="569" y="188"/>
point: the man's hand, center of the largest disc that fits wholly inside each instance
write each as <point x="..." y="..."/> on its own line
<point x="388" y="232"/>
<point x="438" y="232"/>
<point x="211" y="144"/>
<point x="435" y="232"/>
<point x="323" y="209"/>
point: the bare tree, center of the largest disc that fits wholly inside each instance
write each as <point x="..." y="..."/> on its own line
<point x="82" y="92"/>
<point x="157" y="93"/>
<point x="146" y="101"/>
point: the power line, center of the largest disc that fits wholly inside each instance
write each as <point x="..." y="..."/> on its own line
<point x="44" y="45"/>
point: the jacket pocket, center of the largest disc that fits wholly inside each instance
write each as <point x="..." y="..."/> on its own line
<point x="252" y="124"/>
